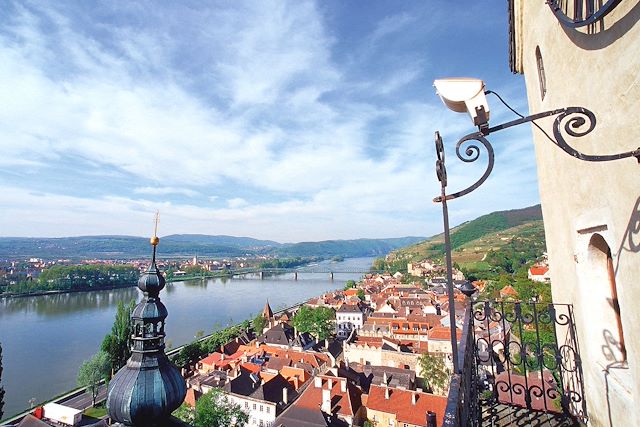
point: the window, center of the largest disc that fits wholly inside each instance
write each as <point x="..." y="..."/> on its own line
<point x="261" y="408"/>
<point x="246" y="405"/>
<point x="542" y="79"/>
<point x="268" y="409"/>
<point x="254" y="406"/>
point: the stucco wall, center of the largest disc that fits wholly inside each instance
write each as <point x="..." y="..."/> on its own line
<point x="597" y="68"/>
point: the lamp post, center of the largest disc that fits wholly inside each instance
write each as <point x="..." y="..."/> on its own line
<point x="468" y="95"/>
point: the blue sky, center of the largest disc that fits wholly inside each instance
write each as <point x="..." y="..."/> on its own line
<point x="290" y="121"/>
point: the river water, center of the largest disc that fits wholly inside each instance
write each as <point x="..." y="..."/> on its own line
<point x="46" y="338"/>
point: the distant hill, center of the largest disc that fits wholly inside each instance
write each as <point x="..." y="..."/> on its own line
<point x="220" y="240"/>
<point x="189" y="245"/>
<point x="473" y="240"/>
<point x="346" y="248"/>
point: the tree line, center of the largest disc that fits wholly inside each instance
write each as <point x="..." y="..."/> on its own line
<point x="77" y="277"/>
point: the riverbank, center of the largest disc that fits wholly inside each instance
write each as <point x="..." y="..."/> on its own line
<point x="46" y="338"/>
<point x="76" y="392"/>
<point x="63" y="291"/>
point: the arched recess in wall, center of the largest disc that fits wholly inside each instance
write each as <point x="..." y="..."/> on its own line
<point x="542" y="79"/>
<point x="603" y="306"/>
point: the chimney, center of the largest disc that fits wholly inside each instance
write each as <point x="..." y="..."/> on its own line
<point x="343" y="385"/>
<point x="317" y="382"/>
<point x="413" y="398"/>
<point x="330" y="384"/>
<point x="431" y="419"/>
<point x="386" y="393"/>
<point x="385" y="380"/>
<point x="285" y="395"/>
<point x="326" y="401"/>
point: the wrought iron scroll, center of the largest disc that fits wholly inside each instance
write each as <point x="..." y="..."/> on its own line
<point x="470" y="154"/>
<point x="580" y="13"/>
<point x="578" y="122"/>
<point x="527" y="355"/>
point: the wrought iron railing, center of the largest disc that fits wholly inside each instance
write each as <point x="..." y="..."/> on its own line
<point x="517" y="354"/>
<point x="462" y="403"/>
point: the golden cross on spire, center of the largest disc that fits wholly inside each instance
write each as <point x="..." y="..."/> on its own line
<point x="154" y="240"/>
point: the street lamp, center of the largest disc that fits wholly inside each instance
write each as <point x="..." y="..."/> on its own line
<point x="467" y="95"/>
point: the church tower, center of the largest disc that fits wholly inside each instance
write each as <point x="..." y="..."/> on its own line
<point x="149" y="387"/>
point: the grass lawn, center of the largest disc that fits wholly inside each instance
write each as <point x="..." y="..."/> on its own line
<point x="96" y="412"/>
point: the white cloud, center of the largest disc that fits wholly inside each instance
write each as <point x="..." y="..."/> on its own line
<point x="236" y="203"/>
<point x="245" y="96"/>
<point x="165" y="190"/>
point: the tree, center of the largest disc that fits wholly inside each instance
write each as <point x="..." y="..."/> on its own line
<point x="1" y="388"/>
<point x="214" y="409"/>
<point x="117" y="343"/>
<point x="316" y="321"/>
<point x="259" y="323"/>
<point x="190" y="353"/>
<point x="361" y="294"/>
<point x="435" y="373"/>
<point x="349" y="284"/>
<point x="93" y="371"/>
<point x="185" y="413"/>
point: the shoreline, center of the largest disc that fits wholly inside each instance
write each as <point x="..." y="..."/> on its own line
<point x="62" y="397"/>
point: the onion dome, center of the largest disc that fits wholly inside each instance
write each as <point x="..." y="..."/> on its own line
<point x="149" y="387"/>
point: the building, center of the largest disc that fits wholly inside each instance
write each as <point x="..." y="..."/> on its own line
<point x="348" y="318"/>
<point x="388" y="406"/>
<point x="591" y="209"/>
<point x="262" y="398"/>
<point x="539" y="273"/>
<point x="327" y="401"/>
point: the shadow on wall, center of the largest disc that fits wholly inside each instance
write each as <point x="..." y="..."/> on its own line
<point x="631" y="239"/>
<point x="597" y="36"/>
<point x="612" y="350"/>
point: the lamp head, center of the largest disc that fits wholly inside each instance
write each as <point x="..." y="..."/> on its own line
<point x="464" y="94"/>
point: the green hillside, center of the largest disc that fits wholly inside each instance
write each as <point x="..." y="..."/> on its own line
<point x="503" y="238"/>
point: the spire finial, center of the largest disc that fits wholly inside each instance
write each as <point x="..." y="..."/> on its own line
<point x="156" y="219"/>
<point x="155" y="239"/>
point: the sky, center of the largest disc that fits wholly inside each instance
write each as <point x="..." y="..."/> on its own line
<point x="283" y="120"/>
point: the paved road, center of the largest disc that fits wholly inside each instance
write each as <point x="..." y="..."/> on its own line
<point x="84" y="400"/>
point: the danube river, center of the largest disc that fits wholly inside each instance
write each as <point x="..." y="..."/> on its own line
<point x="46" y="338"/>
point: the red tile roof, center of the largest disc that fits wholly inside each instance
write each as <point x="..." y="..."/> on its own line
<point x="443" y="333"/>
<point x="342" y="402"/>
<point x="509" y="291"/>
<point x="538" y="271"/>
<point x="400" y="403"/>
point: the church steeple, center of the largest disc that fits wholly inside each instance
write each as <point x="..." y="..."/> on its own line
<point x="149" y="387"/>
<point x="267" y="313"/>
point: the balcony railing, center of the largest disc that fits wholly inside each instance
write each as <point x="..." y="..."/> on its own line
<point x="518" y="360"/>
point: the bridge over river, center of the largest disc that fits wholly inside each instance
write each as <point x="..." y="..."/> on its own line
<point x="314" y="269"/>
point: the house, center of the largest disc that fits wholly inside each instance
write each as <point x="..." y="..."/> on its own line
<point x="591" y="209"/>
<point x="284" y="335"/>
<point x="387" y="406"/>
<point x="263" y="399"/>
<point x="508" y="292"/>
<point x="539" y="273"/>
<point x="348" y="318"/>
<point x="327" y="401"/>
